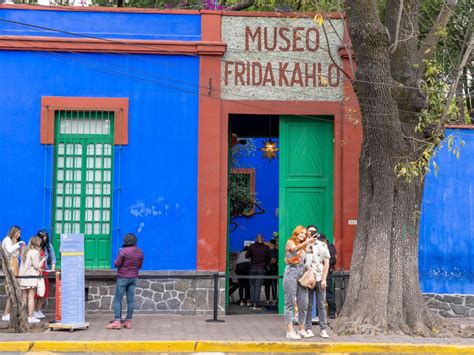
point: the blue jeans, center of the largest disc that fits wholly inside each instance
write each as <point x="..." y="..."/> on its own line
<point x="320" y="305"/>
<point x="127" y="287"/>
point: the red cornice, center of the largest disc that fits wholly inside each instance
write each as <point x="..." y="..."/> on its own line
<point x="459" y="126"/>
<point x="61" y="44"/>
<point x="51" y="104"/>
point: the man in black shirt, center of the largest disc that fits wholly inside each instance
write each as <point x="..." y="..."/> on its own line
<point x="272" y="270"/>
<point x="330" y="294"/>
<point x="259" y="255"/>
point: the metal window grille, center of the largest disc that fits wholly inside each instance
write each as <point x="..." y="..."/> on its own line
<point x="245" y="180"/>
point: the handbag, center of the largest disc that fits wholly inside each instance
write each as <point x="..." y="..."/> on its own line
<point x="308" y="279"/>
<point x="41" y="288"/>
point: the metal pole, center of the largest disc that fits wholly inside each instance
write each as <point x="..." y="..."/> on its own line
<point x="216" y="301"/>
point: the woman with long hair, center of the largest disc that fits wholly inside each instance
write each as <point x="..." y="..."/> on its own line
<point x="295" y="252"/>
<point x="11" y="246"/>
<point x="129" y="261"/>
<point x="30" y="266"/>
<point x="46" y="252"/>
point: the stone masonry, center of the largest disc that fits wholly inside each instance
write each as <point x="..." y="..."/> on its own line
<point x="195" y="296"/>
<point x="451" y="305"/>
<point x="152" y="295"/>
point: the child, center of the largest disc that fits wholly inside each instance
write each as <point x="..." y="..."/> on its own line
<point x="128" y="262"/>
<point x="30" y="266"/>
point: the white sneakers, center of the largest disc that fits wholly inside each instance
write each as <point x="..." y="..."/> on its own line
<point x="305" y="334"/>
<point x="324" y="334"/>
<point x="31" y="320"/>
<point x="293" y="335"/>
<point x="38" y="315"/>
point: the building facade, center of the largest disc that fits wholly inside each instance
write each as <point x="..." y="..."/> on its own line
<point x="119" y="120"/>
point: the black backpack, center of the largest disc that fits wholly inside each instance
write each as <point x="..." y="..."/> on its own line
<point x="333" y="259"/>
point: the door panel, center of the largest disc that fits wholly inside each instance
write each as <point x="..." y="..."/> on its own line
<point x="306" y="178"/>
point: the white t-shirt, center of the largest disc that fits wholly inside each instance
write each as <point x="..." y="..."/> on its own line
<point x="241" y="258"/>
<point x="10" y="249"/>
<point x="320" y="253"/>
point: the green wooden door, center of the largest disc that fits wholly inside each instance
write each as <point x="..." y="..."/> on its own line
<point x="306" y="178"/>
<point x="83" y="182"/>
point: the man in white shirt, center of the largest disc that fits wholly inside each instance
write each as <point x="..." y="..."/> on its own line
<point x="320" y="256"/>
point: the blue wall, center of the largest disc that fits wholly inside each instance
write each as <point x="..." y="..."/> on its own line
<point x="101" y="24"/>
<point x="266" y="187"/>
<point x="157" y="169"/>
<point x="447" y="221"/>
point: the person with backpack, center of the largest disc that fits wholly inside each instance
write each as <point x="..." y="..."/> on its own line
<point x="330" y="292"/>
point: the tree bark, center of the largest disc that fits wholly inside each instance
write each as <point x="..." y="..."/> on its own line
<point x="384" y="294"/>
<point x="18" y="316"/>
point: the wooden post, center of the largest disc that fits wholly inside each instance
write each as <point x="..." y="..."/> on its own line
<point x="18" y="315"/>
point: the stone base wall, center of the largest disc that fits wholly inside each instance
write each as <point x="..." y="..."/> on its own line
<point x="196" y="296"/>
<point x="451" y="305"/>
<point x="162" y="296"/>
<point x="445" y="305"/>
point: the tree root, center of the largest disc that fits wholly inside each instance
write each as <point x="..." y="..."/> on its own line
<point x="443" y="328"/>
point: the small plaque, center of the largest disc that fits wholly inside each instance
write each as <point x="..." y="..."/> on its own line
<point x="352" y="222"/>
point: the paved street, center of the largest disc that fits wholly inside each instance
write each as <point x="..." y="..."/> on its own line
<point x="250" y="328"/>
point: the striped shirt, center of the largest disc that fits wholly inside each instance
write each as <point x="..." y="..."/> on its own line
<point x="128" y="262"/>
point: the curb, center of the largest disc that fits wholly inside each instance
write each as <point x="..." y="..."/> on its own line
<point x="227" y="346"/>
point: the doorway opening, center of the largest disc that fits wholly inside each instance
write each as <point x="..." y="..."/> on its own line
<point x="272" y="196"/>
<point x="253" y="203"/>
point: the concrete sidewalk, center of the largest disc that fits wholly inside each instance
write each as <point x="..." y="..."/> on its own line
<point x="239" y="333"/>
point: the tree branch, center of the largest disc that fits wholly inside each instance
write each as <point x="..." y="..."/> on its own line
<point x="394" y="45"/>
<point x="426" y="51"/>
<point x="241" y="5"/>
<point x="330" y="54"/>
<point x="465" y="59"/>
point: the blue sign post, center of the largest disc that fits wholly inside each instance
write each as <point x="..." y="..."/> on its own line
<point x="72" y="283"/>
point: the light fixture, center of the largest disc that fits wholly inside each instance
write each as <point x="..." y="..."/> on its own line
<point x="269" y="147"/>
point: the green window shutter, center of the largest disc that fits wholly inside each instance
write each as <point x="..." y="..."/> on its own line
<point x="83" y="176"/>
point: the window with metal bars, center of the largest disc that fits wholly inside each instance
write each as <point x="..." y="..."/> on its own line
<point x="83" y="176"/>
<point x="243" y="180"/>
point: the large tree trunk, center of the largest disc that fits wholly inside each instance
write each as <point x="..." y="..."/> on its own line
<point x="384" y="294"/>
<point x="18" y="316"/>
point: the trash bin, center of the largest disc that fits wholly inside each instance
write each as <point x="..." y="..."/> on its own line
<point x="341" y="283"/>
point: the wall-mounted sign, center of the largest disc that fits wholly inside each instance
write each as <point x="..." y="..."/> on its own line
<point x="352" y="222"/>
<point x="269" y="58"/>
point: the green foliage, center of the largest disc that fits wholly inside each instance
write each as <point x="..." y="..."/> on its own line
<point x="241" y="201"/>
<point x="430" y="123"/>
